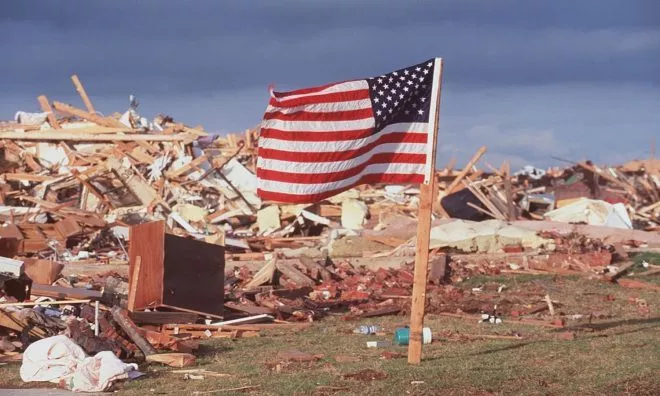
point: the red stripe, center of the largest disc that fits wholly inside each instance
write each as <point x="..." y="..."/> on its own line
<point x="304" y="91"/>
<point x="313" y="136"/>
<point x="347" y="115"/>
<point x="345" y="96"/>
<point x="332" y="156"/>
<point x="392" y="178"/>
<point x="316" y="178"/>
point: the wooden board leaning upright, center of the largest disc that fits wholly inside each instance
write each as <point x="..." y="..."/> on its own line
<point x="427" y="198"/>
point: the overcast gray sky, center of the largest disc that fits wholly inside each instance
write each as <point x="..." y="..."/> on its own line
<point x="529" y="79"/>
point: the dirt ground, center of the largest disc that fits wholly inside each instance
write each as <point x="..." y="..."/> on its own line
<point x="610" y="345"/>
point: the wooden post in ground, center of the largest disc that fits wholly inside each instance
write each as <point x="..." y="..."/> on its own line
<point x="427" y="194"/>
<point x="83" y="94"/>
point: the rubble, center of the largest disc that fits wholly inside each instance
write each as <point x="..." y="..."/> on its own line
<point x="142" y="237"/>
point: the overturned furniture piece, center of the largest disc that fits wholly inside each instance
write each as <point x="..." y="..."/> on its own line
<point x="174" y="272"/>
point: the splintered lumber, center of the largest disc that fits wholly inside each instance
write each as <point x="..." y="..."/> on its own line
<point x="265" y="275"/>
<point x="294" y="275"/>
<point x="187" y="168"/>
<point x="11" y="320"/>
<point x="82" y="137"/>
<point x="83" y="94"/>
<point x="511" y="212"/>
<point x="120" y="316"/>
<point x="45" y="107"/>
<point x="465" y="170"/>
<point x="80" y="113"/>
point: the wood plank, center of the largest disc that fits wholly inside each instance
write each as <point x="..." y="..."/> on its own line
<point x="61" y="293"/>
<point x="148" y="242"/>
<point x="468" y="168"/>
<point x="80" y="113"/>
<point x="83" y="94"/>
<point x="159" y="318"/>
<point x="134" y="282"/>
<point x="85" y="137"/>
<point x="45" y="107"/>
<point x="511" y="213"/>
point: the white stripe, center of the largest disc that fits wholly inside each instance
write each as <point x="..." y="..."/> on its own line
<point x="296" y="188"/>
<point x="341" y="87"/>
<point x="338" y="166"/>
<point x="340" y="145"/>
<point x="319" y="126"/>
<point x="323" y="107"/>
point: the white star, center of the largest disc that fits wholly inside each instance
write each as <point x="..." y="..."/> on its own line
<point x="420" y="112"/>
<point x="423" y="85"/>
<point x="381" y="93"/>
<point x="396" y="103"/>
<point x="405" y="89"/>
<point x="414" y="105"/>
<point x="393" y="91"/>
<point x="402" y="78"/>
<point x="380" y="81"/>
<point x="378" y="112"/>
<point x="422" y="99"/>
<point x="389" y="98"/>
<point x="418" y="68"/>
<point x="386" y="86"/>
<point x="416" y="86"/>
<point x="398" y="84"/>
<point x="414" y="75"/>
<point x="406" y="72"/>
<point x="421" y="79"/>
<point x="390" y="110"/>
<point x="426" y="71"/>
<point x="376" y="100"/>
<point x="409" y="82"/>
<point x="390" y="79"/>
<point x="407" y="112"/>
<point x="384" y="105"/>
<point x="395" y="73"/>
<point x="401" y="96"/>
<point x="429" y="64"/>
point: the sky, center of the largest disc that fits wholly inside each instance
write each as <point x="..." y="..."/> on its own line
<point x="531" y="80"/>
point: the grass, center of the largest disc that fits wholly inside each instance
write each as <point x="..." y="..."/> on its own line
<point x="619" y="354"/>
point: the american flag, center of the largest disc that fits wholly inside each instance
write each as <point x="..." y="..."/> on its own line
<point x="317" y="142"/>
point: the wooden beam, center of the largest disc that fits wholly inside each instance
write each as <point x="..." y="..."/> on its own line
<point x="80" y="113"/>
<point x="83" y="137"/>
<point x="133" y="282"/>
<point x="45" y="107"/>
<point x="427" y="192"/>
<point x="83" y="94"/>
<point x="475" y="158"/>
<point x="511" y="213"/>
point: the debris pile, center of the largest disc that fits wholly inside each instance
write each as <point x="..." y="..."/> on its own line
<point x="140" y="237"/>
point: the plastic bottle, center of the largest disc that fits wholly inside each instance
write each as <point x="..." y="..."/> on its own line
<point x="368" y="330"/>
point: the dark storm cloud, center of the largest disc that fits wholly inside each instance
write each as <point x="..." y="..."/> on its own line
<point x="204" y="46"/>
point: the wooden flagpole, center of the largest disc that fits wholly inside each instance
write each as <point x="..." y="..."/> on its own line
<point x="427" y="198"/>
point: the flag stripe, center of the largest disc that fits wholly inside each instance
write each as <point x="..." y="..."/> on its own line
<point x="283" y="196"/>
<point x="332" y="156"/>
<point x="313" y="126"/>
<point x="313" y="178"/>
<point x="323" y="107"/>
<point x="329" y="137"/>
<point x="318" y="167"/>
<point x="347" y="115"/>
<point x="303" y="188"/>
<point x="365" y="144"/>
<point x="346" y="86"/>
<point x="322" y="98"/>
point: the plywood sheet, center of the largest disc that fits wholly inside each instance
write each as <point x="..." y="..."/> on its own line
<point x="147" y="241"/>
